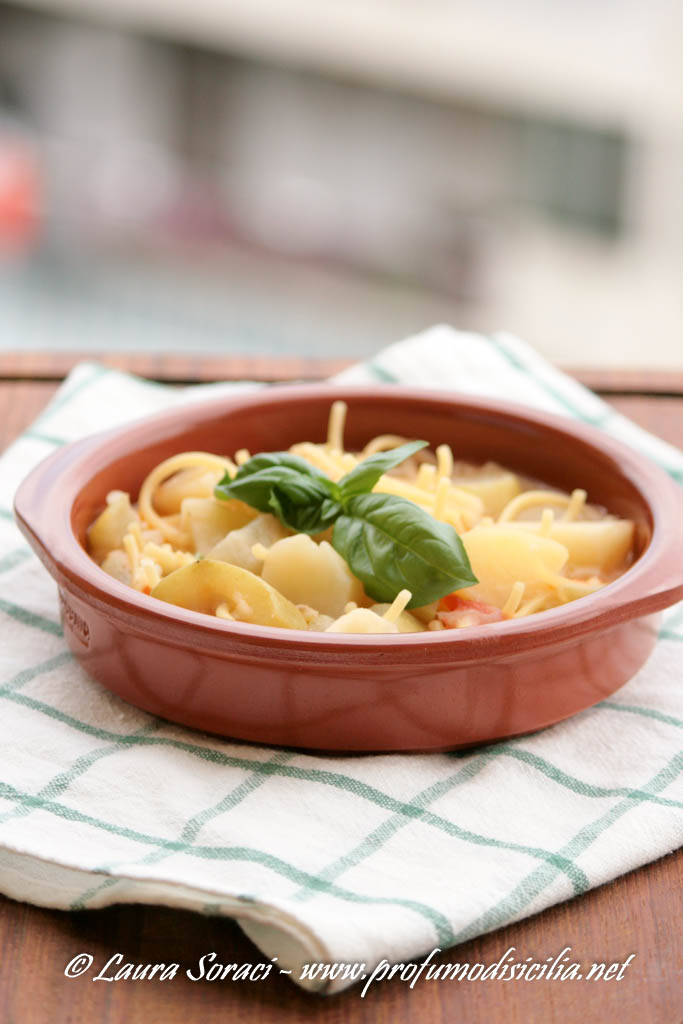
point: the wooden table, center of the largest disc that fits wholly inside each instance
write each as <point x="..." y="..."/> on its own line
<point x="639" y="913"/>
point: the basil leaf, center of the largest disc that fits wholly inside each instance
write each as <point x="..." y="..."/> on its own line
<point x="299" y="494"/>
<point x="312" y="516"/>
<point x="267" y="460"/>
<point x="256" y="488"/>
<point x="273" y="460"/>
<point x="363" y="478"/>
<point x="390" y="543"/>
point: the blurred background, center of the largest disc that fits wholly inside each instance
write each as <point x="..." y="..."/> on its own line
<point x="321" y="177"/>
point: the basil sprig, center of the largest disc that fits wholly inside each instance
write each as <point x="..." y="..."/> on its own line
<point x="389" y="543"/>
<point x="301" y="496"/>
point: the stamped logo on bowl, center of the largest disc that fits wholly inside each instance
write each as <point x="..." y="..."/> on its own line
<point x="73" y="621"/>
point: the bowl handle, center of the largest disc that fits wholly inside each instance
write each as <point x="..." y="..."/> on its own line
<point x="42" y="503"/>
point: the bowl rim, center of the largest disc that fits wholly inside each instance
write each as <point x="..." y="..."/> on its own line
<point x="654" y="575"/>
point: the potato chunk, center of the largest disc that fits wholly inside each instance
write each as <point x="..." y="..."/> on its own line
<point x="208" y="520"/>
<point x="501" y="555"/>
<point x="601" y="545"/>
<point x="362" y="620"/>
<point x="117" y="564"/>
<point x="236" y="547"/>
<point x="406" y="622"/>
<point x="426" y="613"/>
<point x="316" y="622"/>
<point x="206" y="585"/>
<point x="311" y="574"/>
<point x="110" y="527"/>
<point x="495" y="486"/>
<point x="195" y="482"/>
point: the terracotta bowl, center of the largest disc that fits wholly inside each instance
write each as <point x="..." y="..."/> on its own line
<point x="357" y="693"/>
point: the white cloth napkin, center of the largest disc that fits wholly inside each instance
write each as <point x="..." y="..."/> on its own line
<point x="319" y="859"/>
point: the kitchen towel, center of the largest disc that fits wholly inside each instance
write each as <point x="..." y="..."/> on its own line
<point x="320" y="859"/>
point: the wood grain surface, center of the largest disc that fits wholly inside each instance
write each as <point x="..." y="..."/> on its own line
<point x="189" y="368"/>
<point x="639" y="913"/>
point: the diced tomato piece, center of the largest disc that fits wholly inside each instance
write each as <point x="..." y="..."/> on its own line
<point x="458" y="602"/>
<point x="456" y="611"/>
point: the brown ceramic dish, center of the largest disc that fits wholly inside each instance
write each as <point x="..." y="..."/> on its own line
<point x="358" y="693"/>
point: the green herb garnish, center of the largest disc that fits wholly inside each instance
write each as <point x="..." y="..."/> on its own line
<point x="389" y="543"/>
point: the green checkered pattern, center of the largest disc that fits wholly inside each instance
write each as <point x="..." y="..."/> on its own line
<point x="318" y="858"/>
